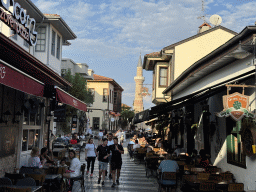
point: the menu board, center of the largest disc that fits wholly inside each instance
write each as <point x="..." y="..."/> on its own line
<point x="8" y="138"/>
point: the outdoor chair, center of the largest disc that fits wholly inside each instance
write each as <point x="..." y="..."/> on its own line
<point x="227" y="177"/>
<point x="14" y="177"/>
<point x="203" y="176"/>
<point x="236" y="187"/>
<point x="80" y="179"/>
<point x="151" y="166"/>
<point x="10" y="189"/>
<point x="26" y="182"/>
<point x="139" y="155"/>
<point x="207" y="186"/>
<point x="167" y="180"/>
<point x="39" y="179"/>
<point x="5" y="181"/>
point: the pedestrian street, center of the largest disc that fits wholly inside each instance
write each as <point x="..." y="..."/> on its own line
<point x="132" y="177"/>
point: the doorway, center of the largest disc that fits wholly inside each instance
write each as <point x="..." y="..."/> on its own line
<point x="96" y="123"/>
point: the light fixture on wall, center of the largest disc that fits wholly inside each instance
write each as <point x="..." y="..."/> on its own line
<point x="6" y="116"/>
<point x="17" y="117"/>
<point x="240" y="53"/>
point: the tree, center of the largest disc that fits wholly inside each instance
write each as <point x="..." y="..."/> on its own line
<point x="78" y="90"/>
<point x="126" y="115"/>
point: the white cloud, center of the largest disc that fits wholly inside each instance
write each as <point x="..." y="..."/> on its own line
<point x="114" y="30"/>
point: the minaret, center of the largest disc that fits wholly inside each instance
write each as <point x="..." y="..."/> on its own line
<point x="139" y="79"/>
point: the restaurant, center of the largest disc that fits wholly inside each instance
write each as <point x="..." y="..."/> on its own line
<point x="29" y="90"/>
<point x="213" y="108"/>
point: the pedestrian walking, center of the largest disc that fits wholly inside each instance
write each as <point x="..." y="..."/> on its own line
<point x="100" y="135"/>
<point x="116" y="161"/>
<point x="90" y="155"/>
<point x="103" y="153"/>
<point x="110" y="142"/>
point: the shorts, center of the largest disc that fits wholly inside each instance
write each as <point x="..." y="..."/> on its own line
<point x="116" y="165"/>
<point x="103" y="165"/>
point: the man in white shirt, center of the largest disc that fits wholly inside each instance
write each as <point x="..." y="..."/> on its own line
<point x="110" y="142"/>
<point x="82" y="136"/>
<point x="89" y="131"/>
<point x="135" y="147"/>
<point x="100" y="135"/>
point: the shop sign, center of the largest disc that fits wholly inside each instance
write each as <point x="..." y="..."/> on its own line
<point x="13" y="15"/>
<point x="236" y="106"/>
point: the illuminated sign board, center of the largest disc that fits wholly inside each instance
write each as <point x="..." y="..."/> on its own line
<point x="13" y="15"/>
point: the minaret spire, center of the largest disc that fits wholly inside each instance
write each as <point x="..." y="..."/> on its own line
<point x="139" y="79"/>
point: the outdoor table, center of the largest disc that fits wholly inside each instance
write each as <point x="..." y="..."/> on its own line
<point x="52" y="176"/>
<point x="33" y="188"/>
<point x="193" y="182"/>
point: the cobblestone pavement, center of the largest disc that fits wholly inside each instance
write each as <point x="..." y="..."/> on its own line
<point x="132" y="178"/>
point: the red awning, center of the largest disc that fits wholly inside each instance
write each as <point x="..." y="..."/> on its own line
<point x="68" y="99"/>
<point x="16" y="79"/>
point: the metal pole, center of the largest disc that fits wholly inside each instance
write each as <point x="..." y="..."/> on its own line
<point x="48" y="139"/>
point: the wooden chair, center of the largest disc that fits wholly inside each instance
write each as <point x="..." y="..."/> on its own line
<point x="39" y="178"/>
<point x="61" y="170"/>
<point x="14" y="177"/>
<point x="151" y="166"/>
<point x="227" y="177"/>
<point x="164" y="178"/>
<point x="80" y="179"/>
<point x="236" y="187"/>
<point x="10" y="189"/>
<point x="203" y="176"/>
<point x="207" y="186"/>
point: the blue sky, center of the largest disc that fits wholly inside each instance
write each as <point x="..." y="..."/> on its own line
<point x="112" y="33"/>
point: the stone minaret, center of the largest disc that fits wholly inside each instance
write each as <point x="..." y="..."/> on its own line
<point x="139" y="79"/>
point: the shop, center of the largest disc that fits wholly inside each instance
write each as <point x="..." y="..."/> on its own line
<point x="24" y="104"/>
<point x="218" y="95"/>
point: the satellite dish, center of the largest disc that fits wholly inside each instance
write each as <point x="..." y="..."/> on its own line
<point x="215" y="20"/>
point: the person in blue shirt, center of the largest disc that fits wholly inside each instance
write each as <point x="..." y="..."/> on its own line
<point x="168" y="165"/>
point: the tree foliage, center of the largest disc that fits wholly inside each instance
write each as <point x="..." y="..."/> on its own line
<point x="78" y="90"/>
<point x="126" y="115"/>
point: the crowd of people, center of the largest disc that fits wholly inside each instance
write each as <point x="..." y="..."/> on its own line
<point x="108" y="153"/>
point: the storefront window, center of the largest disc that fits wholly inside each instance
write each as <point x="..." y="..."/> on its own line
<point x="30" y="139"/>
<point x="25" y="140"/>
<point x="235" y="154"/>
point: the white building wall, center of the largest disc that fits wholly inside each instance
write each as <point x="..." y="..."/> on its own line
<point x="235" y="69"/>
